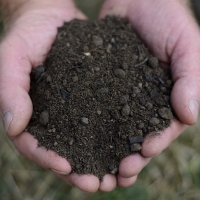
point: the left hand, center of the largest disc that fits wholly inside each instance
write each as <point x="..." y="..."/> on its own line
<point x="169" y="30"/>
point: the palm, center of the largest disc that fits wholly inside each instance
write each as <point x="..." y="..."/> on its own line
<point x="169" y="31"/>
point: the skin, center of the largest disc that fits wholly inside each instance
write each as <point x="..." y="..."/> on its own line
<point x="167" y="28"/>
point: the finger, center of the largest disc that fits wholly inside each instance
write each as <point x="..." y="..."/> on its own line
<point x="185" y="96"/>
<point x="86" y="183"/>
<point x="114" y="7"/>
<point x="126" y="182"/>
<point x="27" y="145"/>
<point x="155" y="143"/>
<point x="108" y="183"/>
<point x="132" y="165"/>
<point x="15" y="103"/>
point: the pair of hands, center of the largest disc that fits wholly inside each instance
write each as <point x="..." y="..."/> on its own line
<point x="168" y="29"/>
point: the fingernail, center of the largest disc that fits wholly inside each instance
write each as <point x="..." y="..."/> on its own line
<point x="59" y="172"/>
<point x="194" y="108"/>
<point x="7" y="118"/>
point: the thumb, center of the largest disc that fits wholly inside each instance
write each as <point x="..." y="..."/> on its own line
<point x="185" y="96"/>
<point x="15" y="68"/>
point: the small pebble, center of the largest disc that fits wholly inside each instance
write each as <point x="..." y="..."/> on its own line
<point x="124" y="99"/>
<point x="55" y="144"/>
<point x="57" y="137"/>
<point x="142" y="101"/>
<point x="108" y="48"/>
<point x="136" y="90"/>
<point x="64" y="93"/>
<point x="78" y="166"/>
<point x="165" y="113"/>
<point x="44" y="117"/>
<point x="112" y="40"/>
<point x="87" y="54"/>
<point x="153" y="62"/>
<point x="120" y="73"/>
<point x="154" y="121"/>
<point x="136" y="147"/>
<point x="124" y="66"/>
<point x="84" y="121"/>
<point x="136" y="139"/>
<point x="70" y="142"/>
<point x="98" y="41"/>
<point x="113" y="169"/>
<point x="98" y="112"/>
<point x="97" y="69"/>
<point x="140" y="85"/>
<point x="75" y="78"/>
<point x="141" y="125"/>
<point x="125" y="110"/>
<point x="38" y="71"/>
<point x="149" y="105"/>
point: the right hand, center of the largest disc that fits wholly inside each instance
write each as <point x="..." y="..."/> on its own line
<point x="30" y="33"/>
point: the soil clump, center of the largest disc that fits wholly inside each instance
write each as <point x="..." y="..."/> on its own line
<point x="97" y="95"/>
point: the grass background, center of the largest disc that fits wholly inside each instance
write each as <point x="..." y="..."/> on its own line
<point x="173" y="175"/>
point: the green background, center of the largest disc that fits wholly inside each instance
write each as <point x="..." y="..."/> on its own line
<point x="173" y="175"/>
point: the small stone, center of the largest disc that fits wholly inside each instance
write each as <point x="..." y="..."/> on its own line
<point x="136" y="147"/>
<point x="55" y="144"/>
<point x="112" y="40"/>
<point x="154" y="121"/>
<point x="113" y="169"/>
<point x="136" y="139"/>
<point x="87" y="54"/>
<point x="124" y="66"/>
<point x="142" y="101"/>
<point x="120" y="73"/>
<point x="57" y="137"/>
<point x="141" y="125"/>
<point x="64" y="93"/>
<point x="149" y="105"/>
<point x="169" y="82"/>
<point x="165" y="113"/>
<point x="153" y="62"/>
<point x="98" y="41"/>
<point x="136" y="90"/>
<point x="44" y="117"/>
<point x="38" y="71"/>
<point x="125" y="110"/>
<point x="140" y="85"/>
<point x="70" y="142"/>
<point x="108" y="48"/>
<point x="97" y="69"/>
<point x="98" y="112"/>
<point x="78" y="166"/>
<point x="48" y="79"/>
<point x="84" y="121"/>
<point x="124" y="99"/>
<point x="75" y="78"/>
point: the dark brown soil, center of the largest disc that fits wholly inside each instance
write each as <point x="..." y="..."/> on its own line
<point x="98" y="94"/>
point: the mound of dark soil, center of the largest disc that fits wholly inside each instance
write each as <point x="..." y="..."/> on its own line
<point x="98" y="94"/>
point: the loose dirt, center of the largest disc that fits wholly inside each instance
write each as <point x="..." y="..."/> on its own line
<point x="98" y="94"/>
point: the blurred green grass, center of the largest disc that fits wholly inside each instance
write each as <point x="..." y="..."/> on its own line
<point x="173" y="175"/>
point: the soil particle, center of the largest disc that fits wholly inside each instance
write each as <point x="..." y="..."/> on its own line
<point x="97" y="96"/>
<point x="154" y="121"/>
<point x="165" y="113"/>
<point x="44" y="117"/>
<point x="84" y="121"/>
<point x="119" y="73"/>
<point x="153" y="62"/>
